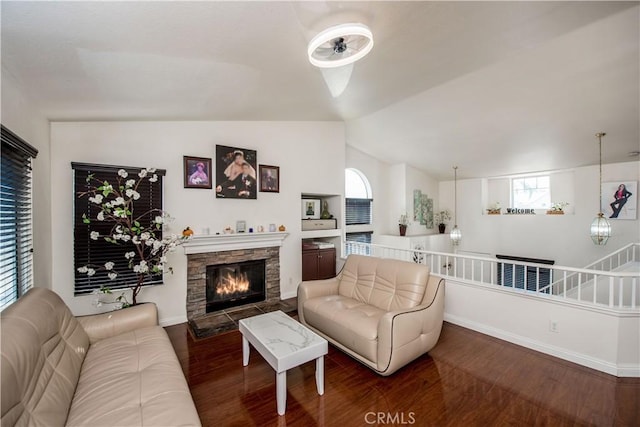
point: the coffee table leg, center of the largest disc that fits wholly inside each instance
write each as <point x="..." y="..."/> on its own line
<point x="320" y="375"/>
<point x="281" y="391"/>
<point x="245" y="351"/>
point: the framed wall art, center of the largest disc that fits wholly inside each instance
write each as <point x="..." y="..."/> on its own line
<point x="197" y="172"/>
<point x="270" y="179"/>
<point x="236" y="176"/>
<point x="619" y="199"/>
<point x="311" y="208"/>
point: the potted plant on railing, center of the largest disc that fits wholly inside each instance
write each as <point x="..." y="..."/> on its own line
<point x="402" y="224"/>
<point x="495" y="209"/>
<point x="557" y="208"/>
<point x="441" y="218"/>
<point x="145" y="249"/>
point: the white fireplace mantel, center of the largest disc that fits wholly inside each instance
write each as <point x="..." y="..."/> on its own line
<point x="231" y="242"/>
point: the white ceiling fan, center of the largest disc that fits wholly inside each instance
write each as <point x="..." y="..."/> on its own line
<point x="340" y="45"/>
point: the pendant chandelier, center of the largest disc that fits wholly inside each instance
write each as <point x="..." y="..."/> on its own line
<point x="456" y="234"/>
<point x="600" y="227"/>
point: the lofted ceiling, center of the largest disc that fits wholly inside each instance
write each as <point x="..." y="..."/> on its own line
<point x="494" y="87"/>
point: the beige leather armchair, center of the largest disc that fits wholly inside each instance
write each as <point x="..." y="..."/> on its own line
<point x="111" y="369"/>
<point x="384" y="313"/>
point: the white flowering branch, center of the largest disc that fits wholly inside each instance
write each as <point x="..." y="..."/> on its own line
<point x="116" y="202"/>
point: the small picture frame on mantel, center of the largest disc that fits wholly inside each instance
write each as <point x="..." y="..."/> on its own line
<point x="311" y="208"/>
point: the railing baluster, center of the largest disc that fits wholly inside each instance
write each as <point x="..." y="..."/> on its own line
<point x="564" y="284"/>
<point x="464" y="267"/>
<point x="611" y="293"/>
<point x="634" y="289"/>
<point x="481" y="271"/>
<point x="620" y="292"/>
<point x="473" y="270"/>
<point x="595" y="288"/>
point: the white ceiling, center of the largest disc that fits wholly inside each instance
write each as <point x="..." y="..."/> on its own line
<point x="495" y="87"/>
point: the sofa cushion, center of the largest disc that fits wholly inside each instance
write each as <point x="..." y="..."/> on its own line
<point x="348" y="321"/>
<point x="132" y="380"/>
<point x="43" y="347"/>
<point x="384" y="283"/>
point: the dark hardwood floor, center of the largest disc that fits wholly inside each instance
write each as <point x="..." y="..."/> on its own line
<point x="468" y="379"/>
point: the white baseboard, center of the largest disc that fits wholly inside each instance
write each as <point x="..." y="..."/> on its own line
<point x="288" y="295"/>
<point x="626" y="370"/>
<point x="168" y="321"/>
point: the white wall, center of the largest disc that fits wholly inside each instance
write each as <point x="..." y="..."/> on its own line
<point x="378" y="174"/>
<point x="311" y="160"/>
<point x="22" y="116"/>
<point x="563" y="238"/>
<point x="593" y="337"/>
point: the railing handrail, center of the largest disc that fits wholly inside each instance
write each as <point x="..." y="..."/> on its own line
<point x="618" y="290"/>
<point x="496" y="260"/>
<point x="611" y="255"/>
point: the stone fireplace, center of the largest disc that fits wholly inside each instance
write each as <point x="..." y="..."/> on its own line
<point x="226" y="254"/>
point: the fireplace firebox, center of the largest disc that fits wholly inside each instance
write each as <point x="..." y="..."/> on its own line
<point x="229" y="285"/>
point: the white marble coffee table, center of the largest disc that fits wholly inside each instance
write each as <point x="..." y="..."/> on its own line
<point x="284" y="343"/>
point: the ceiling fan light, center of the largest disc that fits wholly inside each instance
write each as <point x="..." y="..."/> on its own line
<point x="333" y="33"/>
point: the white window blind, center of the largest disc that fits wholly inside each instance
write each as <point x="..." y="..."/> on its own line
<point x="16" y="224"/>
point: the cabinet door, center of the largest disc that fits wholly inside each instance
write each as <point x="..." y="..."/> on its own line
<point x="326" y="263"/>
<point x="310" y="265"/>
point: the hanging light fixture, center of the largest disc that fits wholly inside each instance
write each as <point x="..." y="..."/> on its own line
<point x="340" y="45"/>
<point x="600" y="227"/>
<point x="456" y="234"/>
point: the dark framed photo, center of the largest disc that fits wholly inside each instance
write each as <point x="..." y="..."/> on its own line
<point x="197" y="172"/>
<point x="270" y="179"/>
<point x="236" y="176"/>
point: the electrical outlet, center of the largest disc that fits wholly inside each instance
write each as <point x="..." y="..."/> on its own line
<point x="553" y="326"/>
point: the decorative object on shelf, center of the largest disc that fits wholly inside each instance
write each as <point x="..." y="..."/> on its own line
<point x="340" y="45"/>
<point x="518" y="211"/>
<point x="197" y="172"/>
<point x="495" y="209"/>
<point x="187" y="232"/>
<point x="618" y="199"/>
<point x="456" y="234"/>
<point x="441" y="218"/>
<point x="422" y="209"/>
<point x="325" y="211"/>
<point x="272" y="228"/>
<point x="557" y="208"/>
<point x="319" y="224"/>
<point x="282" y="228"/>
<point x="115" y="203"/>
<point x="250" y="229"/>
<point x="241" y="226"/>
<point x="269" y="179"/>
<point x="402" y="224"/>
<point x="236" y="173"/>
<point x="260" y="229"/>
<point x="310" y="208"/>
<point x="227" y="230"/>
<point x="600" y="227"/>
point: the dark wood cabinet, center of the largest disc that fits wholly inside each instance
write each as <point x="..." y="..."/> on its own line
<point x="318" y="263"/>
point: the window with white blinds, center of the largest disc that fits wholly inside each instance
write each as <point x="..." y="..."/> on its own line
<point x="16" y="224"/>
<point x="358" y="211"/>
<point x="87" y="251"/>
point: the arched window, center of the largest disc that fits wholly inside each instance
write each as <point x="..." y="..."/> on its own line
<point x="358" y="208"/>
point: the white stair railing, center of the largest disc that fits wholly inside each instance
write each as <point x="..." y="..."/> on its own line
<point x="587" y="286"/>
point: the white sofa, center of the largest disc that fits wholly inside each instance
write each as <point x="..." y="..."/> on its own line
<point x="112" y="369"/>
<point x="383" y="312"/>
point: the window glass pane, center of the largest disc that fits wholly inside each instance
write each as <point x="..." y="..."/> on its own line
<point x="16" y="233"/>
<point x="356" y="186"/>
<point x="95" y="253"/>
<point x="531" y="193"/>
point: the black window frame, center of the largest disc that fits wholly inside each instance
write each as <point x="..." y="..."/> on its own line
<point x="97" y="252"/>
<point x="16" y="217"/>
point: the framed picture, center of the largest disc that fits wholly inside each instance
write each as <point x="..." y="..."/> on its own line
<point x="197" y="172"/>
<point x="619" y="199"/>
<point x="270" y="179"/>
<point x="310" y="208"/>
<point x="236" y="176"/>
